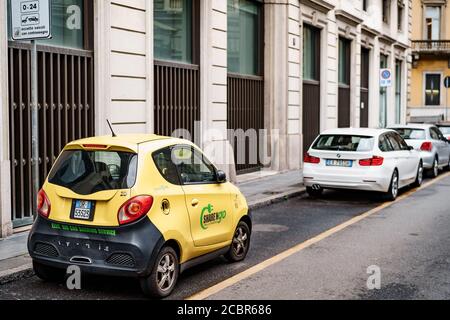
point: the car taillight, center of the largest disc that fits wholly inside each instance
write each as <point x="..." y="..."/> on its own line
<point x="310" y="159"/>
<point x="426" y="146"/>
<point x="95" y="146"/>
<point x="43" y="204"/>
<point x="375" y="161"/>
<point x="134" y="209"/>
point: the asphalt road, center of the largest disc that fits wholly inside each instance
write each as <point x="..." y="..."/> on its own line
<point x="408" y="241"/>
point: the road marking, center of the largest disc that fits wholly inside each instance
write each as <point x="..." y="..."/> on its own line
<point x="285" y="254"/>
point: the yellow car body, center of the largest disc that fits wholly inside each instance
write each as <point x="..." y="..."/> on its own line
<point x="197" y="219"/>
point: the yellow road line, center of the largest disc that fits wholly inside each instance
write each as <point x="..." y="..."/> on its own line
<point x="285" y="254"/>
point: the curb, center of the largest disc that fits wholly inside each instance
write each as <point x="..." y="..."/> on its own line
<point x="26" y="270"/>
<point x="18" y="273"/>
<point x="276" y="198"/>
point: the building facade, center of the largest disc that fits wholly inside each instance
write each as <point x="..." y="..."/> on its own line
<point x="431" y="61"/>
<point x="251" y="81"/>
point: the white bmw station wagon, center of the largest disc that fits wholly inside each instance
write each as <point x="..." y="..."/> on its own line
<point x="363" y="159"/>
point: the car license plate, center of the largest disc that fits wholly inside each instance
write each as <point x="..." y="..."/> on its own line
<point x="83" y="210"/>
<point x="339" y="163"/>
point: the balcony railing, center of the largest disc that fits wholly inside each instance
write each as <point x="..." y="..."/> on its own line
<point x="431" y="45"/>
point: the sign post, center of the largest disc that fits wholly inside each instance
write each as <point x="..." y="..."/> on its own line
<point x="446" y="85"/>
<point x="31" y="20"/>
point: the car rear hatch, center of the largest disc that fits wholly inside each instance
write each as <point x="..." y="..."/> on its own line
<point x="89" y="183"/>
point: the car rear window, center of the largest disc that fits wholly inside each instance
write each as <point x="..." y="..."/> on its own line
<point x="344" y="143"/>
<point x="445" y="130"/>
<point x="411" y="134"/>
<point x="86" y="172"/>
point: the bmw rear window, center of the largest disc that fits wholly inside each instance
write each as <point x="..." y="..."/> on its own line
<point x="341" y="142"/>
<point x="87" y="172"/>
<point x="411" y="134"/>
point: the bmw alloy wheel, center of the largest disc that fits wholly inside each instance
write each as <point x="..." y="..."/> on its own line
<point x="394" y="189"/>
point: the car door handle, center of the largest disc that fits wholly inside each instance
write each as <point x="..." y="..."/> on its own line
<point x="195" y="202"/>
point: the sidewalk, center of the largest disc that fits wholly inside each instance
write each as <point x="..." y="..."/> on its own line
<point x="260" y="189"/>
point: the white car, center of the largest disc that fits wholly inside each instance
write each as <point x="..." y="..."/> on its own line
<point x="362" y="159"/>
<point x="429" y="141"/>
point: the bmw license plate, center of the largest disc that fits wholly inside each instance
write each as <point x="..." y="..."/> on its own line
<point x="339" y="163"/>
<point x="83" y="210"/>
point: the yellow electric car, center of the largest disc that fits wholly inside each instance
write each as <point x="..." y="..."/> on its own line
<point x="142" y="206"/>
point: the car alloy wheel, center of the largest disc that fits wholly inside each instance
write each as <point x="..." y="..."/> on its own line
<point x="435" y="168"/>
<point x="165" y="274"/>
<point x="420" y="175"/>
<point x="394" y="187"/>
<point x="240" y="241"/>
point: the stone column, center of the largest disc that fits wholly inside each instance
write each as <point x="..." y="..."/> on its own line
<point x="5" y="163"/>
<point x="284" y="136"/>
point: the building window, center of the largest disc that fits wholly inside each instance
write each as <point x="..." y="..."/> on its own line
<point x="432" y="23"/>
<point x="173" y="30"/>
<point x="432" y="89"/>
<point x="383" y="94"/>
<point x="244" y="37"/>
<point x="68" y="27"/>
<point x="400" y="12"/>
<point x="364" y="4"/>
<point x="398" y="90"/>
<point x="386" y="10"/>
<point x="311" y="53"/>
<point x="344" y="63"/>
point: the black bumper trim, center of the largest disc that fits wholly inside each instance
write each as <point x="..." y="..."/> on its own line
<point x="142" y="241"/>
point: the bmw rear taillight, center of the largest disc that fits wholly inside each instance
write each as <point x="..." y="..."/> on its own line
<point x="375" y="161"/>
<point x="426" y="146"/>
<point x="43" y="204"/>
<point x="310" y="159"/>
<point x="134" y="209"/>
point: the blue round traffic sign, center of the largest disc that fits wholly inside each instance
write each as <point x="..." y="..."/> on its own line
<point x="386" y="74"/>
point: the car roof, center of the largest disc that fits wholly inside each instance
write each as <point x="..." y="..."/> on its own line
<point x="356" y="131"/>
<point x="413" y="126"/>
<point x="126" y="141"/>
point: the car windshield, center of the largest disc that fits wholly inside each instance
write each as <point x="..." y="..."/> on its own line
<point x="445" y="130"/>
<point x="411" y="134"/>
<point x="87" y="172"/>
<point x="344" y="143"/>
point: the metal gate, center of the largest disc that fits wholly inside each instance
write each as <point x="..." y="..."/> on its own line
<point x="177" y="97"/>
<point x="311" y="112"/>
<point x="66" y="113"/>
<point x="364" y="110"/>
<point x="246" y="112"/>
<point x="311" y="86"/>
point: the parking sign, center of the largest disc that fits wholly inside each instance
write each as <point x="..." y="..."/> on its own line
<point x="385" y="78"/>
<point x="30" y="19"/>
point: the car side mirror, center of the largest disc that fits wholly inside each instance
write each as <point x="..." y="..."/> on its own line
<point x="221" y="176"/>
<point x="410" y="148"/>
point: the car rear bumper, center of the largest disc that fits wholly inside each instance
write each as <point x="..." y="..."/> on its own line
<point x="123" y="251"/>
<point x="427" y="159"/>
<point x="370" y="182"/>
